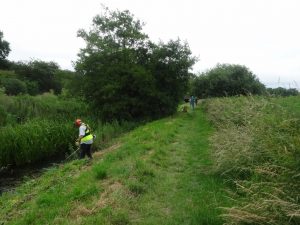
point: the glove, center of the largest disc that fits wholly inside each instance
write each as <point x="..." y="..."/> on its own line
<point x="77" y="143"/>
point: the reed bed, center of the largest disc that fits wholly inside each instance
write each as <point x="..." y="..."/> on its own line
<point x="36" y="128"/>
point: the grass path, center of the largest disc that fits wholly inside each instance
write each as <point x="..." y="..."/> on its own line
<point x="157" y="174"/>
<point x="186" y="192"/>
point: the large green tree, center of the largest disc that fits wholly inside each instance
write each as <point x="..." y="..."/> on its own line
<point x="169" y="64"/>
<point x="227" y="80"/>
<point x="4" y="51"/>
<point x="124" y="74"/>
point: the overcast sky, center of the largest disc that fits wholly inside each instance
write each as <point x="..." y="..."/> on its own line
<point x="263" y="35"/>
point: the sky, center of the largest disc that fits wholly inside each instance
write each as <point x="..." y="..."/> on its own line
<point x="262" y="35"/>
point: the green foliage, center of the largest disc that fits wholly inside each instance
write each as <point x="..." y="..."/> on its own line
<point x="4" y="51"/>
<point x="124" y="75"/>
<point x="46" y="106"/>
<point x="32" y="87"/>
<point x="227" y="80"/>
<point x="32" y="116"/>
<point x="36" y="128"/>
<point x="169" y="65"/>
<point x="70" y="83"/>
<point x="280" y="91"/>
<point x="34" y="140"/>
<point x="3" y="116"/>
<point x="43" y="73"/>
<point x="14" y="86"/>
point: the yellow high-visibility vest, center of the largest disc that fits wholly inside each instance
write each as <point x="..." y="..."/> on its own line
<point x="88" y="136"/>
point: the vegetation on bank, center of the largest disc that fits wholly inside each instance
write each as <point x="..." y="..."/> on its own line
<point x="161" y="172"/>
<point x="256" y="147"/>
<point x="121" y="78"/>
<point x="158" y="173"/>
<point x="166" y="170"/>
<point x="35" y="128"/>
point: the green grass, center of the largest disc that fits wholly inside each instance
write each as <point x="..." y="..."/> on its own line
<point x="159" y="173"/>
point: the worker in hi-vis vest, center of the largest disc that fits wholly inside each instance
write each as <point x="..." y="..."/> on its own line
<point x="85" y="139"/>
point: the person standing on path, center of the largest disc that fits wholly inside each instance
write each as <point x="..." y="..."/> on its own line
<point x="192" y="102"/>
<point x="85" y="139"/>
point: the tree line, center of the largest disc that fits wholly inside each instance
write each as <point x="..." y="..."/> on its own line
<point x="124" y="75"/>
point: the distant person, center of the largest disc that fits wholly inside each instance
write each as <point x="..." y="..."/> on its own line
<point x="192" y="102"/>
<point x="85" y="139"/>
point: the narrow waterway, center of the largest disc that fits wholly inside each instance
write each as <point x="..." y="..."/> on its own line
<point x="11" y="176"/>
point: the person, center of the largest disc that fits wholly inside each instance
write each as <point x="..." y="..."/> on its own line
<point x="85" y="139"/>
<point x="192" y="102"/>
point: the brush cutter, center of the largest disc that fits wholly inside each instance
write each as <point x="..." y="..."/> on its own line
<point x="76" y="151"/>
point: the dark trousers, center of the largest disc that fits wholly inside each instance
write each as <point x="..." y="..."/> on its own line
<point x="85" y="150"/>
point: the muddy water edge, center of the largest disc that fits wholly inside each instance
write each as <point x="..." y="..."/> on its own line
<point x="12" y="176"/>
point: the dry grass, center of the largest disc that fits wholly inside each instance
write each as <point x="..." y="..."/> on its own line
<point x="256" y="147"/>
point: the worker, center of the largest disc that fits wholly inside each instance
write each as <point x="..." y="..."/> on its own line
<point x="85" y="139"/>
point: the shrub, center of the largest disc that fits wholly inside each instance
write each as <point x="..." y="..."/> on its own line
<point x="14" y="86"/>
<point x="227" y="80"/>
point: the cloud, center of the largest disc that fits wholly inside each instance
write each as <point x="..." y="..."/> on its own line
<point x="260" y="34"/>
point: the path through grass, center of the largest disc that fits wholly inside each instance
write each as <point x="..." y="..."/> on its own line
<point x="157" y="174"/>
<point x="185" y="191"/>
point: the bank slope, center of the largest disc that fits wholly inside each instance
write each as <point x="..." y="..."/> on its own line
<point x="157" y="174"/>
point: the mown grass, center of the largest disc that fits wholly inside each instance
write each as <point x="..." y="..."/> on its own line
<point x="159" y="173"/>
<point x="257" y="148"/>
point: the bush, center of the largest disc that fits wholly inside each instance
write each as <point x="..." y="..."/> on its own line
<point x="14" y="86"/>
<point x="227" y="80"/>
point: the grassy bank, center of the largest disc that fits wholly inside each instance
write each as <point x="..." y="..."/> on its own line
<point x="257" y="149"/>
<point x="157" y="174"/>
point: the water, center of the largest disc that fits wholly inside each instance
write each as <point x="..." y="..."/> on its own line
<point x="11" y="177"/>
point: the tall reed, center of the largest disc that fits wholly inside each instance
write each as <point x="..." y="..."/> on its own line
<point x="257" y="148"/>
<point x="34" y="140"/>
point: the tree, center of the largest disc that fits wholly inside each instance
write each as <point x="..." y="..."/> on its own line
<point x="124" y="74"/>
<point x="40" y="73"/>
<point x="227" y="80"/>
<point x="170" y="64"/>
<point x="4" y="51"/>
<point x="280" y="91"/>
